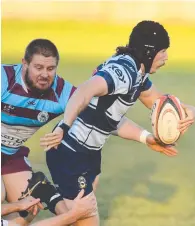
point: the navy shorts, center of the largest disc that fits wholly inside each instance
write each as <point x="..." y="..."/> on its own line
<point x="72" y="171"/>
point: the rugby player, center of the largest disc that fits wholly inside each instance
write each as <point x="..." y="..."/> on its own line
<point x="97" y="109"/>
<point x="32" y="94"/>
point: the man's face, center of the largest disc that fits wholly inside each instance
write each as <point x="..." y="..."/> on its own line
<point x="40" y="72"/>
<point x="159" y="60"/>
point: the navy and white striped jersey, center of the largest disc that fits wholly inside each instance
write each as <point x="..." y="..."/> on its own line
<point x="94" y="125"/>
<point x="24" y="112"/>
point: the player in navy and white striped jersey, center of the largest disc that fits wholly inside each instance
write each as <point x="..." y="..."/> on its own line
<point x="98" y="107"/>
<point x="32" y="94"/>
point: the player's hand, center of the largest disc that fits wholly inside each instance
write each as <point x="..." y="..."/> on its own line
<point x="51" y="140"/>
<point x="155" y="145"/>
<point x="83" y="207"/>
<point x="189" y="120"/>
<point x="30" y="204"/>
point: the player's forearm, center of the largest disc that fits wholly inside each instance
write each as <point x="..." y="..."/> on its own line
<point x="77" y="103"/>
<point x="149" y="97"/>
<point x="9" y="208"/>
<point x="96" y="86"/>
<point x="61" y="220"/>
<point x="128" y="129"/>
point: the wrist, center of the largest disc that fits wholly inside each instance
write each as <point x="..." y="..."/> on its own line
<point x="64" y="127"/>
<point x="143" y="136"/>
<point x="17" y="206"/>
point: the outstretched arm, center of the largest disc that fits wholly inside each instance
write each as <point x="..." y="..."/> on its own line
<point x="21" y="205"/>
<point x="127" y="129"/>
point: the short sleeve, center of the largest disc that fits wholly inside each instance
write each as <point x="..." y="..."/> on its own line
<point x="4" y="81"/>
<point x="146" y="85"/>
<point x="119" y="76"/>
<point x="64" y="91"/>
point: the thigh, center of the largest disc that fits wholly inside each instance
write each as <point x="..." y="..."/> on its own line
<point x="15" y="184"/>
<point x="70" y="171"/>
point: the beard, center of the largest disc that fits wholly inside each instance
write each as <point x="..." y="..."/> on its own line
<point x="32" y="86"/>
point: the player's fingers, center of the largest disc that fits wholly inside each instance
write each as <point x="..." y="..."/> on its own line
<point x="181" y="129"/>
<point x="40" y="206"/>
<point x="186" y="120"/>
<point x="51" y="134"/>
<point x="33" y="202"/>
<point x="184" y="131"/>
<point x="51" y="138"/>
<point x="80" y="195"/>
<point x="170" y="152"/>
<point x="47" y="148"/>
<point x="190" y="122"/>
<point x="51" y="143"/>
<point x="35" y="210"/>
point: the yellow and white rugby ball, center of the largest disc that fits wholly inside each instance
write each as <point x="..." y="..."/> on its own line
<point x="165" y="115"/>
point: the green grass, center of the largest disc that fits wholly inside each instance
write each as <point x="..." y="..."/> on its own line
<point x="137" y="186"/>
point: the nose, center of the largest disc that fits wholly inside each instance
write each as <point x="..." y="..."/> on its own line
<point x="44" y="73"/>
<point x="166" y="56"/>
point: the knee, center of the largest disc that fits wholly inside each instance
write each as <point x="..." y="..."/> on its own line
<point x="61" y="207"/>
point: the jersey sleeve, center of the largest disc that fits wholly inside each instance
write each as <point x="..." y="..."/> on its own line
<point x="119" y="76"/>
<point x="67" y="91"/>
<point x="4" y="81"/>
<point x="146" y="85"/>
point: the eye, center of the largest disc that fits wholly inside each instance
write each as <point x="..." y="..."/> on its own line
<point x="51" y="68"/>
<point x="38" y="67"/>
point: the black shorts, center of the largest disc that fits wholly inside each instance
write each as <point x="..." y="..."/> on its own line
<point x="72" y="171"/>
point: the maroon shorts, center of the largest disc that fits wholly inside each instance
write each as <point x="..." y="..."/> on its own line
<point x="15" y="163"/>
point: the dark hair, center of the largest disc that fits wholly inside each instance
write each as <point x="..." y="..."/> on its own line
<point x="41" y="46"/>
<point x="145" y="41"/>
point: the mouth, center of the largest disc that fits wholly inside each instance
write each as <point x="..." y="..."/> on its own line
<point x="43" y="82"/>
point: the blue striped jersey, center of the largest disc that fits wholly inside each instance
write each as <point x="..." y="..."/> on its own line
<point x="23" y="112"/>
<point x="94" y="125"/>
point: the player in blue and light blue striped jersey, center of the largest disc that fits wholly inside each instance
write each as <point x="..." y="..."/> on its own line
<point x="32" y="94"/>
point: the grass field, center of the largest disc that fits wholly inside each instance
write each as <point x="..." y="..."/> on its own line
<point x="137" y="187"/>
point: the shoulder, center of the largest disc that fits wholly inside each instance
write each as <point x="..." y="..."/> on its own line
<point x="60" y="85"/>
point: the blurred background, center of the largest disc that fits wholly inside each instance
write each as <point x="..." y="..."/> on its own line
<point x="137" y="187"/>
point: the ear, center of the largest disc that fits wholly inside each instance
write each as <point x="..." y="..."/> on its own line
<point x="24" y="63"/>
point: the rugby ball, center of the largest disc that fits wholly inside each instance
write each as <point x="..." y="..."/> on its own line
<point x="165" y="115"/>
